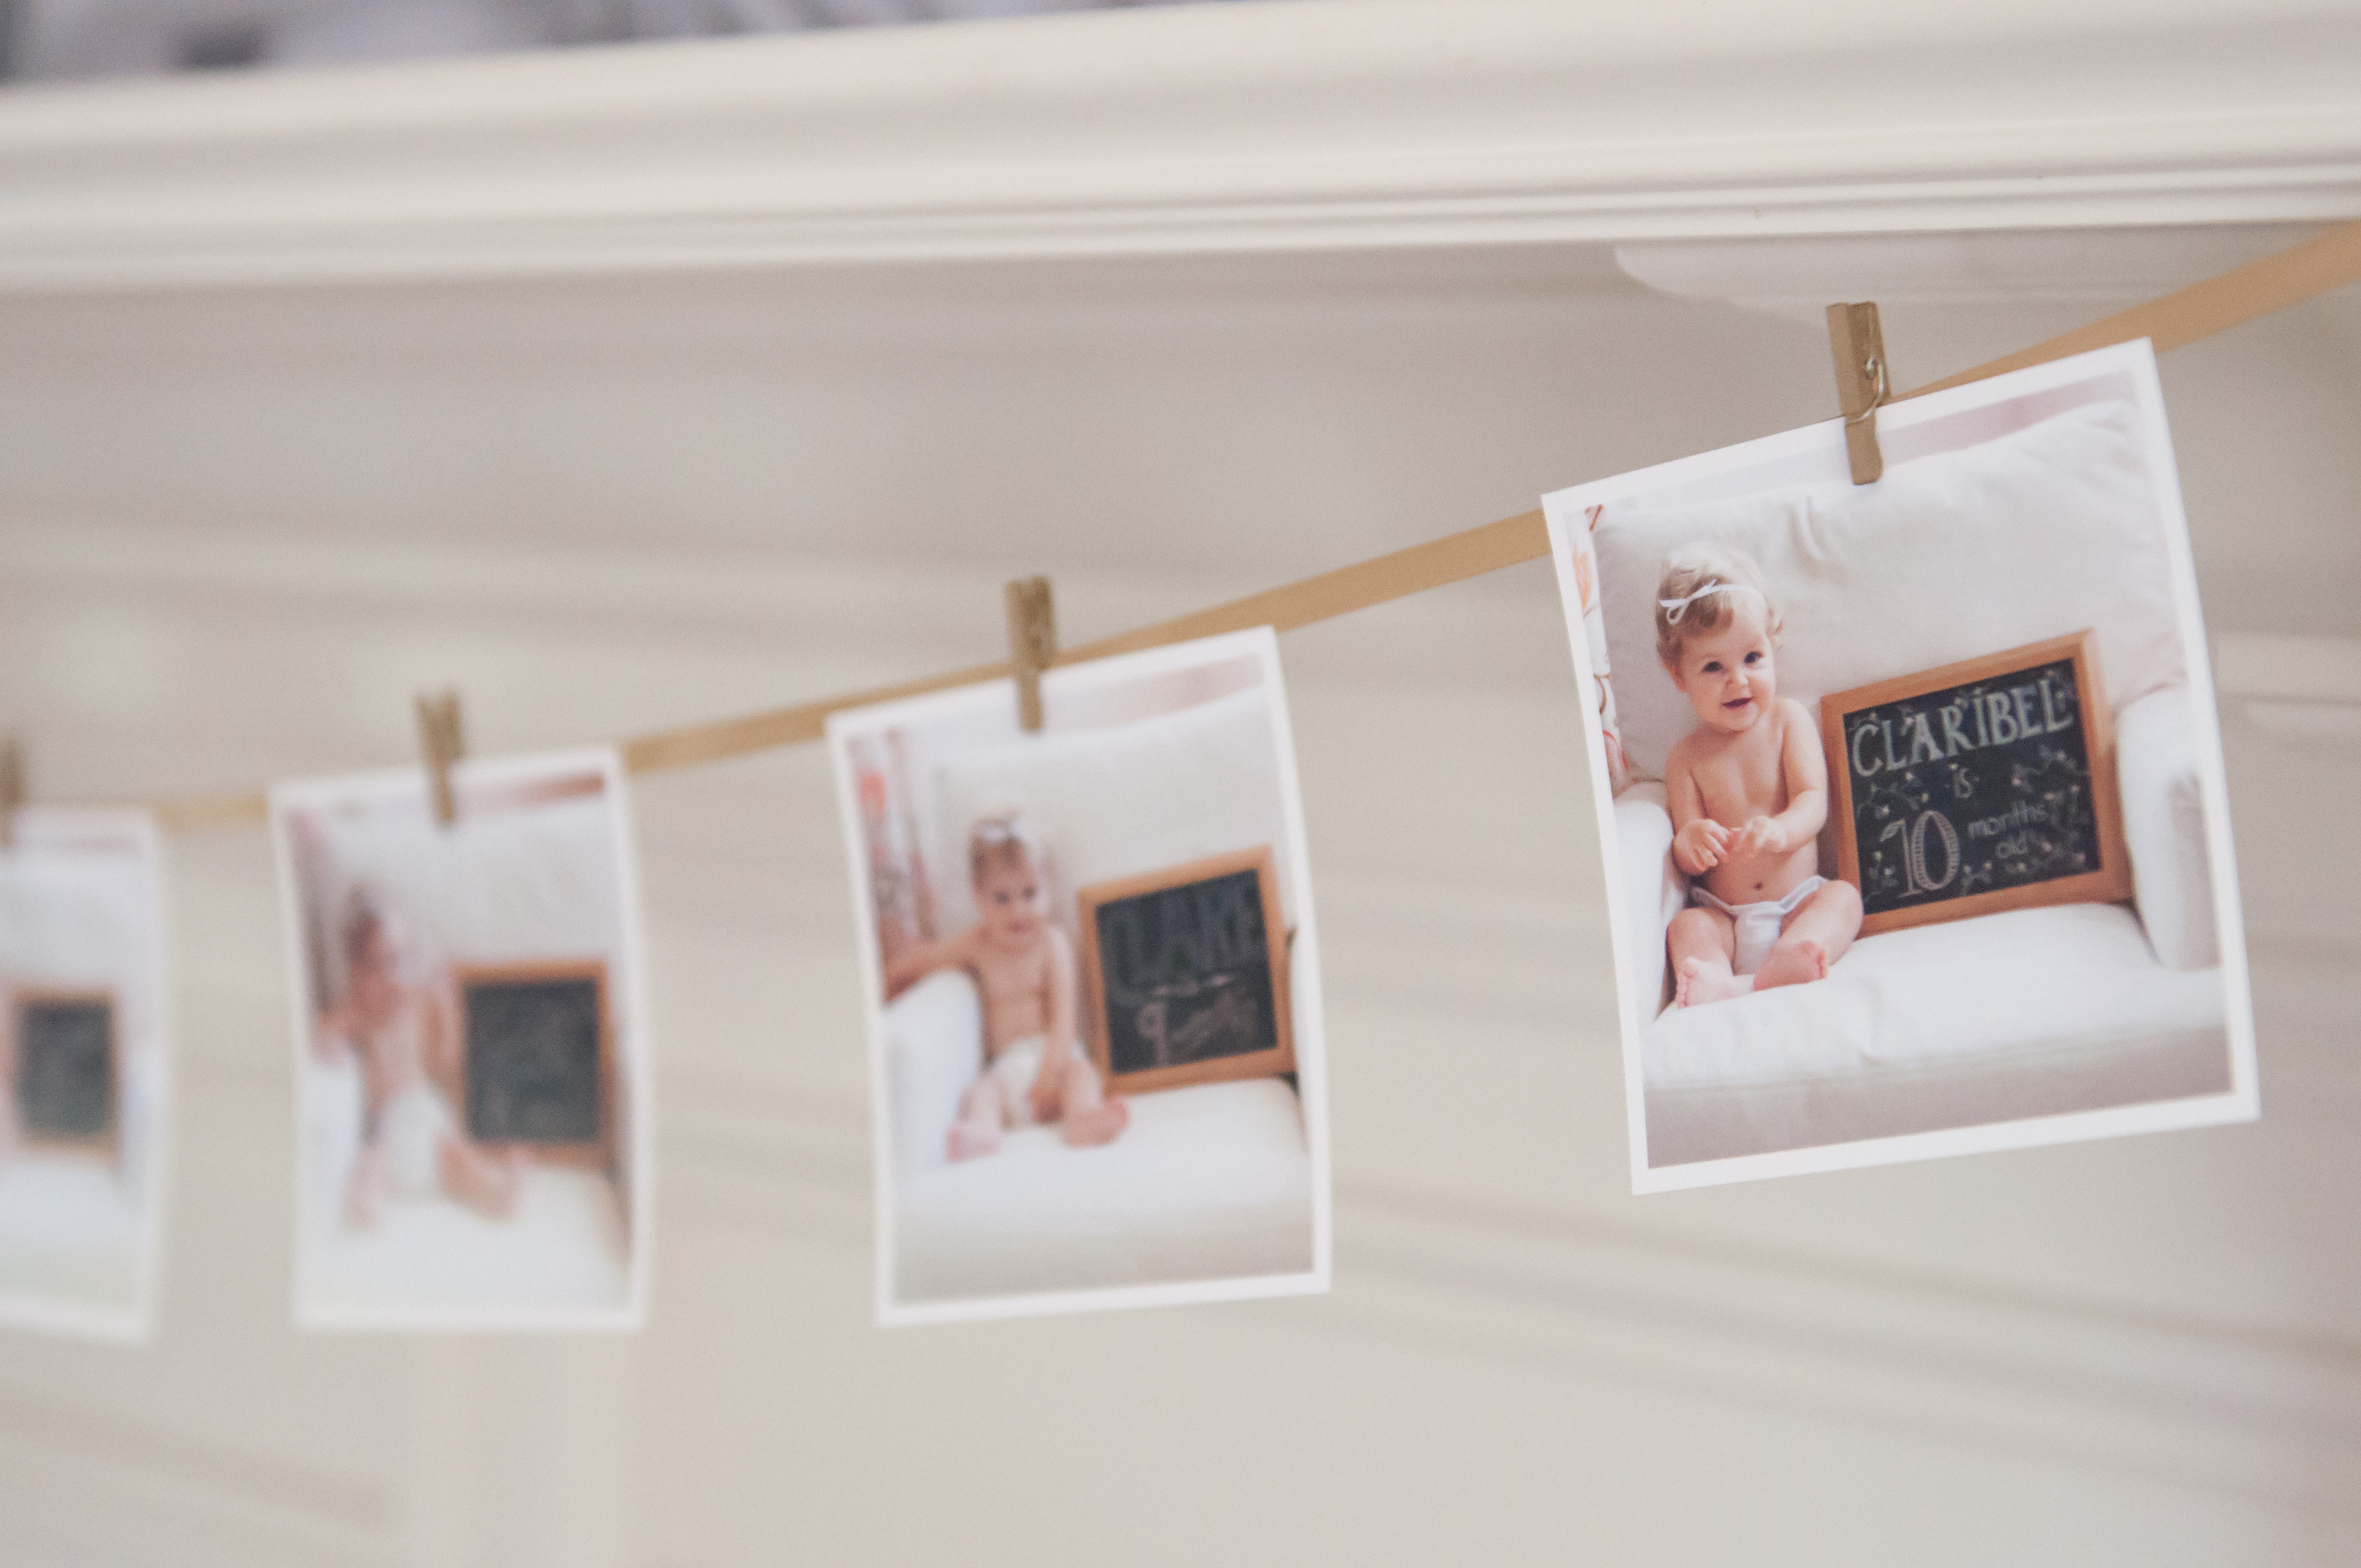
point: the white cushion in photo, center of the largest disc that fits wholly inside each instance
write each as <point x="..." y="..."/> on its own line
<point x="1122" y="800"/>
<point x="2033" y="535"/>
<point x="934" y="1049"/>
<point x="2028" y="1012"/>
<point x="69" y="1232"/>
<point x="494" y="887"/>
<point x="2164" y="826"/>
<point x="564" y="1250"/>
<point x="1653" y="888"/>
<point x="2023" y="978"/>
<point x="1208" y="1182"/>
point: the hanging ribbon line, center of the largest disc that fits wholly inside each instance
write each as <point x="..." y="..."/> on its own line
<point x="2317" y="266"/>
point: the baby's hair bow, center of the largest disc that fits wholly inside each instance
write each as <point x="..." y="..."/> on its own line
<point x="1674" y="609"/>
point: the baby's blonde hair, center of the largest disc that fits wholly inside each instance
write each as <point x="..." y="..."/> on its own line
<point x="1006" y="840"/>
<point x="1699" y="592"/>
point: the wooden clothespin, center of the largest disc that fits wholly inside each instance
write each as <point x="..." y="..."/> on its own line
<point x="12" y="789"/>
<point x="1032" y="644"/>
<point x="1862" y="384"/>
<point x="443" y="742"/>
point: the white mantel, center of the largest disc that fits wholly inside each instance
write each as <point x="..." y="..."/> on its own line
<point x="1277" y="125"/>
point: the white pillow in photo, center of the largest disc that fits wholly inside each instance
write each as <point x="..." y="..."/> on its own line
<point x="494" y="887"/>
<point x="1122" y="800"/>
<point x="1654" y="889"/>
<point x="2164" y="828"/>
<point x="2033" y="535"/>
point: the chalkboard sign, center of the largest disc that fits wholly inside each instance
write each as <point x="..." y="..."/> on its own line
<point x="1983" y="785"/>
<point x="538" y="1061"/>
<point x="65" y="1070"/>
<point x="1184" y="974"/>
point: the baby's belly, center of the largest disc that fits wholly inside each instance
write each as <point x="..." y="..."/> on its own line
<point x="1763" y="877"/>
<point x="1004" y="1026"/>
<point x="399" y="1075"/>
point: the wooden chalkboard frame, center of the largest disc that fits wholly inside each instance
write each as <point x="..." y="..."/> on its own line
<point x="104" y="1145"/>
<point x="601" y="1152"/>
<point x="2111" y="883"/>
<point x="1252" y="1064"/>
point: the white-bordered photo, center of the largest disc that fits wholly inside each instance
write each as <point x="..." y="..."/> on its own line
<point x="474" y="1138"/>
<point x="1093" y="985"/>
<point x="1911" y="794"/>
<point x="86" y="1056"/>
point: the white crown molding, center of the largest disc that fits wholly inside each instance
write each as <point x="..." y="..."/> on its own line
<point x="2292" y="686"/>
<point x="2288" y="665"/>
<point x="2095" y="270"/>
<point x="1276" y="126"/>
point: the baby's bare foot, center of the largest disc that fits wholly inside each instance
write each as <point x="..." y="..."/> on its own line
<point x="972" y="1140"/>
<point x="1796" y="963"/>
<point x="361" y="1210"/>
<point x="1099" y="1124"/>
<point x="487" y="1180"/>
<point x="1701" y="984"/>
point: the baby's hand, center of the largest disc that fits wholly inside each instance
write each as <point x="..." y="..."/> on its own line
<point x="1700" y="846"/>
<point x="1765" y="836"/>
<point x="1048" y="1093"/>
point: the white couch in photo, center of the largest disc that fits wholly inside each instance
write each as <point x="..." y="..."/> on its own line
<point x="2030" y="1012"/>
<point x="1212" y="1181"/>
<point x="564" y="1250"/>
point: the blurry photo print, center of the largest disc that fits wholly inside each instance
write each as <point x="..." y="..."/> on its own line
<point x="474" y="1133"/>
<point x="1092" y="983"/>
<point x="85" y="1055"/>
<point x="1911" y="794"/>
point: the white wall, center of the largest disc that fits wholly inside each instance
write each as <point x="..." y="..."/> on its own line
<point x="240" y="527"/>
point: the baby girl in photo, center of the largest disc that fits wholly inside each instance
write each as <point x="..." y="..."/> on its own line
<point x="1748" y="790"/>
<point x="1035" y="1068"/>
<point x="399" y="1032"/>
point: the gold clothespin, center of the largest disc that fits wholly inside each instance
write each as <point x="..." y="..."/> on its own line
<point x="444" y="743"/>
<point x="1862" y="384"/>
<point x="12" y="789"/>
<point x="1032" y="644"/>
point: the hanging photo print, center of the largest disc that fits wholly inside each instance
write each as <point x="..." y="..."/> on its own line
<point x="471" y="1051"/>
<point x="84" y="1059"/>
<point x="1911" y="793"/>
<point x="1093" y="988"/>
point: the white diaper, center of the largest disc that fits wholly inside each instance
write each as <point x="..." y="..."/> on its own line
<point x="410" y="1132"/>
<point x="1758" y="923"/>
<point x="1017" y="1068"/>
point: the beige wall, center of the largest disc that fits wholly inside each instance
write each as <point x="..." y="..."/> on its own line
<point x="240" y="527"/>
